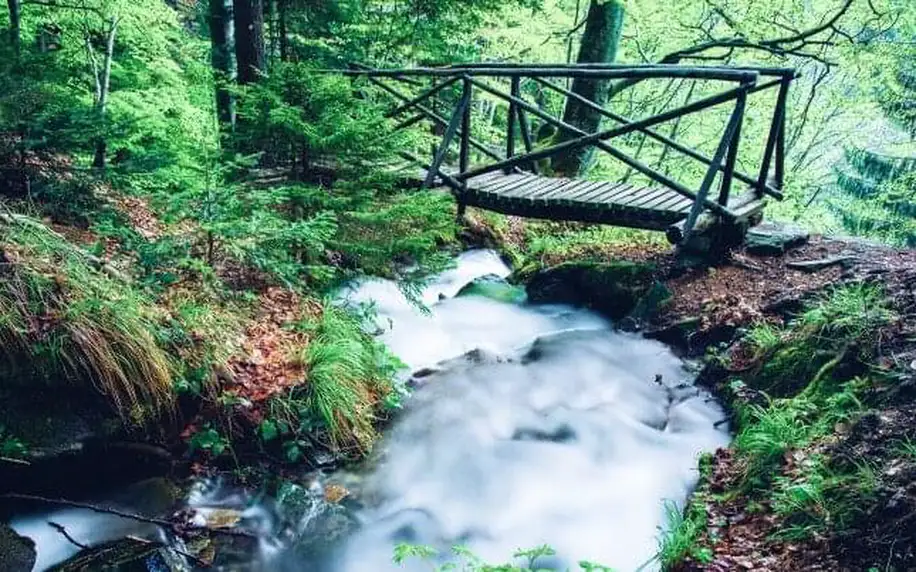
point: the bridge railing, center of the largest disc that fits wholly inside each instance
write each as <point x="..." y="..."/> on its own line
<point x="455" y="126"/>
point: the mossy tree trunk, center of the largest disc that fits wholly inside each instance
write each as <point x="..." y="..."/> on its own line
<point x="600" y="42"/>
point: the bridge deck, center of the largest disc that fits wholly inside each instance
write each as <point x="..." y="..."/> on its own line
<point x="620" y="204"/>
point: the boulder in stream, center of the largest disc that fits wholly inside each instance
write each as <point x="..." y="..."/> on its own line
<point x="17" y="553"/>
<point x="125" y="555"/>
<point x="496" y="288"/>
<point x="612" y="288"/>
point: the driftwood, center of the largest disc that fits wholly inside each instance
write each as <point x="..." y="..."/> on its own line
<point x="175" y="527"/>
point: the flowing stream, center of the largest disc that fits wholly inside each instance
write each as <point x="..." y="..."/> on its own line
<point x="528" y="425"/>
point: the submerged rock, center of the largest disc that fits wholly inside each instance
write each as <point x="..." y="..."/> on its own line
<point x="495" y="288"/>
<point x="16" y="552"/>
<point x="612" y="288"/>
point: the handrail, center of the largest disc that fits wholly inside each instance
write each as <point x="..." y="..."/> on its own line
<point x="630" y="72"/>
<point x="664" y="138"/>
<point x="761" y="70"/>
<point x="617" y="154"/>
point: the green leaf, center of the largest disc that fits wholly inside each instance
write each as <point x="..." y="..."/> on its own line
<point x="268" y="430"/>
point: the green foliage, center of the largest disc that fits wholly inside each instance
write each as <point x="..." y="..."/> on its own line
<point x="465" y="560"/>
<point x="768" y="433"/>
<point x="210" y="441"/>
<point x="818" y="497"/>
<point x="843" y="325"/>
<point x="681" y="533"/>
<point x="62" y="319"/>
<point x="350" y="377"/>
<point x="296" y="114"/>
<point x="374" y="31"/>
<point x="349" y="373"/>
<point x="11" y="447"/>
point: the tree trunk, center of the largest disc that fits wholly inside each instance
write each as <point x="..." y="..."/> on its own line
<point x="281" y="25"/>
<point x="102" y="87"/>
<point x="221" y="59"/>
<point x="15" y="25"/>
<point x="249" y="39"/>
<point x="600" y="41"/>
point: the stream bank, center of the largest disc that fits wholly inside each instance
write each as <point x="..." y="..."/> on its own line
<point x="694" y="309"/>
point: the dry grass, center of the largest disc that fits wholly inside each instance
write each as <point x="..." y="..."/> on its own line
<point x="62" y="318"/>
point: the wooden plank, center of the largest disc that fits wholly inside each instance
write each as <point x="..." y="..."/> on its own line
<point x="610" y="197"/>
<point x="556" y="182"/>
<point x="553" y="197"/>
<point x="597" y="191"/>
<point x="674" y="203"/>
<point x="661" y="203"/>
<point x="521" y="182"/>
<point x="649" y="198"/>
<point x="580" y="188"/>
<point x="538" y="185"/>
<point x="483" y="179"/>
<point x="584" y="190"/>
<point x="627" y="196"/>
<point x="503" y="181"/>
<point x="618" y="191"/>
<point x="561" y="190"/>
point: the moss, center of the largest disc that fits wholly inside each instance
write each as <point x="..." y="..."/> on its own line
<point x="611" y="288"/>
<point x="495" y="288"/>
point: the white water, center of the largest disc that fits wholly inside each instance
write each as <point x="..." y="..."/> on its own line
<point x="557" y="434"/>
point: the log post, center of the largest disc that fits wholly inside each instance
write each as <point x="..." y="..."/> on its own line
<point x="773" y="135"/>
<point x="464" y="149"/>
<point x="513" y="114"/>
<point x="732" y="156"/>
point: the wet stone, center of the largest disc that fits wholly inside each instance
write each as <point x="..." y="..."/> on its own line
<point x="16" y="552"/>
<point x="774" y="239"/>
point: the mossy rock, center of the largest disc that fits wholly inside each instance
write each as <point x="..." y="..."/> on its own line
<point x="495" y="288"/>
<point x="615" y="289"/>
<point x="16" y="552"/>
<point x="124" y="555"/>
<point x="774" y="239"/>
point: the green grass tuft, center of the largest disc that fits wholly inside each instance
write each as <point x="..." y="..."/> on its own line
<point x="679" y="539"/>
<point x="64" y="319"/>
<point x="349" y="375"/>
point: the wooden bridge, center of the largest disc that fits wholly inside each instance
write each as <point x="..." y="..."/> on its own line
<point x="494" y="175"/>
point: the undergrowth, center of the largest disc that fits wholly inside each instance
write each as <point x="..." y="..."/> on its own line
<point x="351" y="377"/>
<point x="796" y="388"/>
<point x="679" y="538"/>
<point x="462" y="558"/>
